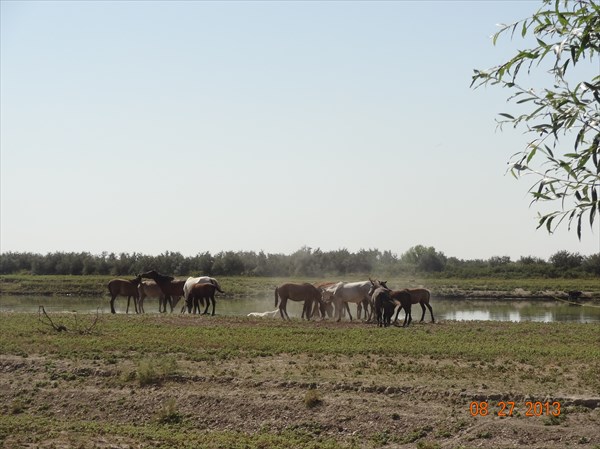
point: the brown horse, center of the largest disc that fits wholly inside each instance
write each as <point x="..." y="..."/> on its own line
<point x="419" y="296"/>
<point x="323" y="308"/>
<point x="200" y="292"/>
<point x="402" y="298"/>
<point x="123" y="287"/>
<point x="384" y="305"/>
<point x="169" y="286"/>
<point x="305" y="292"/>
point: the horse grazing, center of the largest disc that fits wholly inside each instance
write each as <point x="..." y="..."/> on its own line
<point x="150" y="289"/>
<point x="169" y="286"/>
<point x="123" y="287"/>
<point x="200" y="292"/>
<point x="190" y="282"/>
<point x="419" y="296"/>
<point x="343" y="293"/>
<point x="305" y="292"/>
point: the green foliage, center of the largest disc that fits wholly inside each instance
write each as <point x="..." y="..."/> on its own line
<point x="154" y="371"/>
<point x="303" y="263"/>
<point x="567" y="174"/>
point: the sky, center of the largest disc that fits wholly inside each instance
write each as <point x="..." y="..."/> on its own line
<point x="189" y="126"/>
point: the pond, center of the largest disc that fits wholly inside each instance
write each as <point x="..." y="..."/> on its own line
<point x="444" y="309"/>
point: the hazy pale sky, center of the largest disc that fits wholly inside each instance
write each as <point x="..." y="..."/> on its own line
<point x="212" y="126"/>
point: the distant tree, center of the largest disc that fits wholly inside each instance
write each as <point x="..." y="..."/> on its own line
<point x="567" y="174"/>
<point x="591" y="264"/>
<point x="499" y="260"/>
<point x="425" y="258"/>
<point x="530" y="260"/>
<point x="564" y="260"/>
<point x="228" y="263"/>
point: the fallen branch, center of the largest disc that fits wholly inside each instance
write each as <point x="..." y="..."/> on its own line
<point x="45" y="319"/>
<point x="50" y="323"/>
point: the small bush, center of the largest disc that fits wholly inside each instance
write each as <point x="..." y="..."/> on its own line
<point x="153" y="372"/>
<point x="312" y="398"/>
<point x="168" y="414"/>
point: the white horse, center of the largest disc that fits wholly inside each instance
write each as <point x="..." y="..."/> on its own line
<point x="190" y="282"/>
<point x="270" y="314"/>
<point x="343" y="293"/>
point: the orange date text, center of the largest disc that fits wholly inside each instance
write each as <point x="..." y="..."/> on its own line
<point x="507" y="408"/>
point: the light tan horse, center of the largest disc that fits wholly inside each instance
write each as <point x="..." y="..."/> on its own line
<point x="150" y="289"/>
<point x="124" y="287"/>
<point x="170" y="287"/>
<point x="307" y="293"/>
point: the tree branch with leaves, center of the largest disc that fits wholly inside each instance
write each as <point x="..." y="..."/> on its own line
<point x="564" y="119"/>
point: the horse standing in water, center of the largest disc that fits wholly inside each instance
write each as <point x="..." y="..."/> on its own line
<point x="419" y="296"/>
<point x="307" y="293"/>
<point x="123" y="287"/>
<point x="169" y="286"/>
<point x="200" y="292"/>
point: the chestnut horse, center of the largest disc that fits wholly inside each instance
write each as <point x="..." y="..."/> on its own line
<point x="190" y="282"/>
<point x="305" y="292"/>
<point x="123" y="287"/>
<point x="169" y="286"/>
<point x="201" y="292"/>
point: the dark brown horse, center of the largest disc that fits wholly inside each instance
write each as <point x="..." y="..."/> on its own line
<point x="385" y="301"/>
<point x="124" y="287"/>
<point x="201" y="292"/>
<point x="169" y="286"/>
<point x="419" y="296"/>
<point x="402" y="298"/>
<point x="305" y="292"/>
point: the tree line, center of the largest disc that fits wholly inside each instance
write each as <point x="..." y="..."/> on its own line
<point x="304" y="262"/>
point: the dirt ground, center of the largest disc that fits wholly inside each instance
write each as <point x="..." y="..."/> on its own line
<point x="271" y="394"/>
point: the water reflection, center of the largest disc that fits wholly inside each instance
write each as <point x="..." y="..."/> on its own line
<point x="443" y="309"/>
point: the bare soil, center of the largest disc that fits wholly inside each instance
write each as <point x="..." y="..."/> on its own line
<point x="355" y="401"/>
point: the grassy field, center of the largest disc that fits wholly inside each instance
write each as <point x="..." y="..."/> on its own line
<point x="239" y="286"/>
<point x="189" y="381"/>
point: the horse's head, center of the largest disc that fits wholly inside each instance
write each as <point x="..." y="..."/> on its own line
<point x="152" y="274"/>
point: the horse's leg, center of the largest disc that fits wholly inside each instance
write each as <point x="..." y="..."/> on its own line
<point x="423" y="309"/>
<point x="408" y="316"/>
<point x="359" y="310"/>
<point x="308" y="307"/>
<point x="128" y="299"/>
<point x="430" y="311"/>
<point x="283" y="308"/>
<point x="112" y="303"/>
<point x="397" y="313"/>
<point x="348" y="309"/>
<point x="338" y="310"/>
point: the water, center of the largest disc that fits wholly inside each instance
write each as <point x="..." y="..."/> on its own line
<point x="443" y="309"/>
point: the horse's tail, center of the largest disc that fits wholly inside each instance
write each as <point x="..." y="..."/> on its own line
<point x="427" y="296"/>
<point x="276" y="295"/>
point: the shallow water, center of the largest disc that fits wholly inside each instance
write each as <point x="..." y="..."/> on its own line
<point x="443" y="309"/>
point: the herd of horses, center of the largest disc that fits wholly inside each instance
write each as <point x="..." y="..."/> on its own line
<point x="373" y="298"/>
